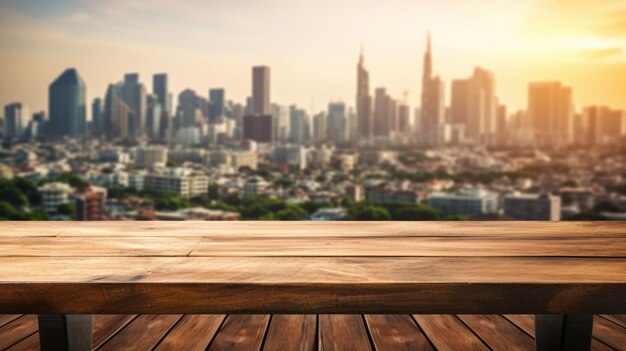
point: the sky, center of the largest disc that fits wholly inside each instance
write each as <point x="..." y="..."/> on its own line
<point x="312" y="46"/>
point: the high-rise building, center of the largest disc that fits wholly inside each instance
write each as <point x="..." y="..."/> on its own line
<point x="337" y="123"/>
<point x="363" y="101"/>
<point x="190" y="109"/>
<point x="97" y="118"/>
<point x="474" y="105"/>
<point x="216" y="104"/>
<point x="67" y="106"/>
<point x="381" y="112"/>
<point x="404" y="115"/>
<point x="160" y="89"/>
<point x="432" y="112"/>
<point x="261" y="90"/>
<point x="16" y="118"/>
<point x="603" y="125"/>
<point x="550" y="113"/>
<point x="116" y="114"/>
<point x="154" y="117"/>
<point x="258" y="128"/>
<point x="134" y="94"/>
<point x="281" y="119"/>
<point x="299" y="124"/>
<point x="319" y="126"/>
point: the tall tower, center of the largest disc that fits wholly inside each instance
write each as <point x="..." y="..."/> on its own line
<point x="134" y="95"/>
<point x="363" y="101"/>
<point x="68" y="111"/>
<point x="433" y="108"/>
<point x="261" y="90"/>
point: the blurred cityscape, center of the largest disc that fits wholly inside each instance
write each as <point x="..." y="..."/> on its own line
<point x="130" y="155"/>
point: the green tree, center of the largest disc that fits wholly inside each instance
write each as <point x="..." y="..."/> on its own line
<point x="368" y="213"/>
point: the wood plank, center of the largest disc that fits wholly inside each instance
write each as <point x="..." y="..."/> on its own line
<point x="342" y="332"/>
<point x="527" y="324"/>
<point x="241" y="332"/>
<point x="308" y="228"/>
<point x="396" y="332"/>
<point x="412" y="246"/>
<point x="616" y="318"/>
<point x="291" y="332"/>
<point x="143" y="333"/>
<point x="311" y="285"/>
<point x="7" y="318"/>
<point x="193" y="332"/>
<point x="17" y="330"/>
<point x="96" y="246"/>
<point x="107" y="325"/>
<point x="446" y="332"/>
<point x="609" y="333"/>
<point x="31" y="343"/>
<point x="498" y="332"/>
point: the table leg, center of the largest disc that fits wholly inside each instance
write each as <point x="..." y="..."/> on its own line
<point x="563" y="332"/>
<point x="65" y="332"/>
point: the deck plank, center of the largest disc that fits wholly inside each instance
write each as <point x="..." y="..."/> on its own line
<point x="396" y="332"/>
<point x="105" y="326"/>
<point x="17" y="330"/>
<point x="193" y="333"/>
<point x="446" y="332"/>
<point x="342" y="332"/>
<point x="498" y="333"/>
<point x="241" y="332"/>
<point x="7" y="318"/>
<point x="609" y="333"/>
<point x="291" y="332"/>
<point x="143" y="333"/>
<point x="616" y="318"/>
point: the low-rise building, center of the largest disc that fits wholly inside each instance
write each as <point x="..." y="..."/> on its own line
<point x="532" y="207"/>
<point x="183" y="182"/>
<point x="465" y="202"/>
<point x="54" y="194"/>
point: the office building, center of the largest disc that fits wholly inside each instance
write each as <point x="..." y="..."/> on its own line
<point x="532" y="207"/>
<point x="117" y="114"/>
<point x="550" y="113"/>
<point x="97" y="118"/>
<point x="151" y="156"/>
<point x="53" y="195"/>
<point x="281" y="118"/>
<point x="258" y="128"/>
<point x="67" y="106"/>
<point x="134" y="95"/>
<point x="432" y="112"/>
<point x="217" y="104"/>
<point x="474" y="106"/>
<point x="467" y="202"/>
<point x="603" y="125"/>
<point x="261" y="90"/>
<point x="363" y="101"/>
<point x="16" y="119"/>
<point x="160" y="89"/>
<point x="154" y="117"/>
<point x="299" y="130"/>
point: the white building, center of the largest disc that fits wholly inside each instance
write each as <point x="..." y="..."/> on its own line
<point x="151" y="156"/>
<point x="254" y="186"/>
<point x="179" y="181"/>
<point x="54" y="194"/>
<point x="465" y="202"/>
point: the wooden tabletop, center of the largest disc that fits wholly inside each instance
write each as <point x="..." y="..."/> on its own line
<point x="312" y="267"/>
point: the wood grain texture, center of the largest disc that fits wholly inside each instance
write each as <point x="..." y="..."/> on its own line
<point x="396" y="332"/>
<point x="107" y="325"/>
<point x="448" y="333"/>
<point x="193" y="333"/>
<point x="413" y="246"/>
<point x="498" y="333"/>
<point x="609" y="333"/>
<point x="291" y="332"/>
<point x="143" y="333"/>
<point x="17" y="330"/>
<point x="340" y="332"/>
<point x="308" y="228"/>
<point x="309" y="285"/>
<point x="241" y="332"/>
<point x="7" y="318"/>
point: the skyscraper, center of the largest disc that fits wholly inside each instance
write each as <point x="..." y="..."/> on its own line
<point x="97" y="118"/>
<point x="363" y="101"/>
<point x="381" y="112"/>
<point x="474" y="106"/>
<point x="67" y="106"/>
<point x="16" y="118"/>
<point x="160" y="89"/>
<point x="258" y="128"/>
<point x="261" y="90"/>
<point x="216" y="104"/>
<point x="134" y="94"/>
<point x="336" y="124"/>
<point x="550" y="113"/>
<point x="432" y="112"/>
<point x="116" y="114"/>
<point x="298" y="124"/>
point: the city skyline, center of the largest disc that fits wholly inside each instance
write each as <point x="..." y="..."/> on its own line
<point x="39" y="40"/>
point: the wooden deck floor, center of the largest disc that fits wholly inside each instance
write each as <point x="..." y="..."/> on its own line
<point x="309" y="332"/>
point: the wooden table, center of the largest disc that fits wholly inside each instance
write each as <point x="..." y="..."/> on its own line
<point x="66" y="271"/>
